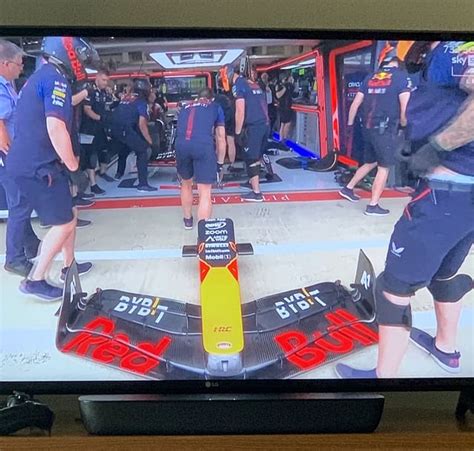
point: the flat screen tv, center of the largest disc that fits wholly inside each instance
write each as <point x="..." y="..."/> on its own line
<point x="315" y="287"/>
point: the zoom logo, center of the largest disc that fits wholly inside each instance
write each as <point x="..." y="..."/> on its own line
<point x="215" y="225"/>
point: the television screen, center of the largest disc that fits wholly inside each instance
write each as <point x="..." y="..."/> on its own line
<point x="198" y="207"/>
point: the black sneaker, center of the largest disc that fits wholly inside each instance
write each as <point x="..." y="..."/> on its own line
<point x="376" y="210"/>
<point x="188" y="223"/>
<point x="82" y="203"/>
<point x="20" y="268"/>
<point x="252" y="197"/>
<point x="41" y="289"/>
<point x="82" y="268"/>
<point x="449" y="361"/>
<point x="106" y="177"/>
<point x="348" y="194"/>
<point x="81" y="223"/>
<point x="146" y="188"/>
<point x="118" y="176"/>
<point x="86" y="195"/>
<point x="96" y="189"/>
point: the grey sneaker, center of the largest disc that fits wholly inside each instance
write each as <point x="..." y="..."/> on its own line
<point x="376" y="210"/>
<point x="348" y="194"/>
<point x="252" y="197"/>
<point x="449" y="361"/>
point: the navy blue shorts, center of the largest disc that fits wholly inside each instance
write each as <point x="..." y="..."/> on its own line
<point x="431" y="240"/>
<point x="257" y="136"/>
<point x="198" y="161"/>
<point x="48" y="193"/>
<point x="381" y="149"/>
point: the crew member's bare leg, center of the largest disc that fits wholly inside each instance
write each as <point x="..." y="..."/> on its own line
<point x="187" y="197"/>
<point x="205" y="202"/>
<point x="231" y="149"/>
<point x="360" y="174"/>
<point x="69" y="245"/>
<point x="51" y="245"/>
<point x="379" y="184"/>
<point x="447" y="320"/>
<point x="393" y="343"/>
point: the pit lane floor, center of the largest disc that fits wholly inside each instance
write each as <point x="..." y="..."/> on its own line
<point x="138" y="250"/>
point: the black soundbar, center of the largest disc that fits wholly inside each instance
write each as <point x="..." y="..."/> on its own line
<point x="199" y="414"/>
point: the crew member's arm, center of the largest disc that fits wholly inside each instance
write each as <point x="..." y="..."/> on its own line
<point x="219" y="129"/>
<point x="403" y="97"/>
<point x="355" y="105"/>
<point x="5" y="113"/>
<point x="239" y="115"/>
<point x="61" y="140"/>
<point x="4" y="138"/>
<point x="90" y="112"/>
<point x="143" y="126"/>
<point x="461" y="129"/>
<point x="79" y="97"/>
<point x="280" y="93"/>
<point x="143" y="122"/>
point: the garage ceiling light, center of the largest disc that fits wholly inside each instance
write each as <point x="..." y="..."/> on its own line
<point x="196" y="58"/>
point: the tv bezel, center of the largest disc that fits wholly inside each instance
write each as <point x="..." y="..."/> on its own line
<point x="295" y="385"/>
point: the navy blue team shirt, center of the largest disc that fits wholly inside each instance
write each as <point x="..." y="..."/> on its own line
<point x="196" y="121"/>
<point x="256" y="109"/>
<point x="439" y="97"/>
<point x="381" y="91"/>
<point x="98" y="102"/>
<point x="129" y="110"/>
<point x="47" y="93"/>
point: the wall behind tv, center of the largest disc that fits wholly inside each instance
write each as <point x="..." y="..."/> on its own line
<point x="324" y="14"/>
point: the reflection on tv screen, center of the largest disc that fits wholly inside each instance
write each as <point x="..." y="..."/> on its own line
<point x="191" y="209"/>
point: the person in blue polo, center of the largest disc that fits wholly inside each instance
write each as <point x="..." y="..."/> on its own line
<point x="42" y="151"/>
<point x="129" y="127"/>
<point x="435" y="233"/>
<point x="251" y="126"/>
<point x="198" y="157"/>
<point x="22" y="243"/>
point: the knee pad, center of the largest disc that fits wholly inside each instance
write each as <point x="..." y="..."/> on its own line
<point x="253" y="168"/>
<point x="388" y="313"/>
<point x="451" y="290"/>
